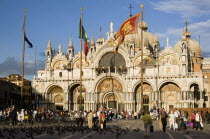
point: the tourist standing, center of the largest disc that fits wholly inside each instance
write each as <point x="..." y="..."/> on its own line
<point x="207" y="117"/>
<point x="163" y="116"/>
<point x="103" y="120"/>
<point x="177" y="118"/>
<point x="90" y="119"/>
<point x="14" y="117"/>
<point x="192" y="119"/>
<point x="199" y="121"/>
<point x="147" y="123"/>
<point x="171" y="120"/>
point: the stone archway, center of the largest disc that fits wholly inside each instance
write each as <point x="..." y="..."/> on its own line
<point x="108" y="95"/>
<point x="110" y="100"/>
<point x="195" y="93"/>
<point x="76" y="102"/>
<point x="147" y="90"/>
<point x="55" y="97"/>
<point x="169" y="95"/>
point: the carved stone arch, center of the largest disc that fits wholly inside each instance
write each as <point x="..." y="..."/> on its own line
<point x="171" y="81"/>
<point x="74" y="94"/>
<point x="147" y="61"/>
<point x="137" y="84"/>
<point x="189" y="86"/>
<point x="58" y="98"/>
<point x="101" y="77"/>
<point x="51" y="86"/>
<point x="168" y="59"/>
<point x="101" y="53"/>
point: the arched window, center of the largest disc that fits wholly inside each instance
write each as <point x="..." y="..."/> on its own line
<point x="60" y="74"/>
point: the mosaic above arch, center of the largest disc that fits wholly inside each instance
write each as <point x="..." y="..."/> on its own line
<point x="168" y="60"/>
<point x="61" y="64"/>
<point x="110" y="85"/>
<point x="76" y="64"/>
<point x="146" y="60"/>
<point x="77" y="89"/>
<point x="146" y="88"/>
<point x="168" y="87"/>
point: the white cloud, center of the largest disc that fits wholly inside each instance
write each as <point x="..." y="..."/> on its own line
<point x="186" y="8"/>
<point x="201" y="29"/>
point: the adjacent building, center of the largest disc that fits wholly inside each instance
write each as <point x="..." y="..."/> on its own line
<point x="9" y="94"/>
<point x="27" y="89"/>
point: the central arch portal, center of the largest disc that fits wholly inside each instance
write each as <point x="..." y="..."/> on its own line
<point x="109" y="91"/>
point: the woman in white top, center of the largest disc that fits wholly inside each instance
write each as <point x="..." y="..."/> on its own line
<point x="199" y="121"/>
<point x="171" y="120"/>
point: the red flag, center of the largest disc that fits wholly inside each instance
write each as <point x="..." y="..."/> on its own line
<point x="130" y="26"/>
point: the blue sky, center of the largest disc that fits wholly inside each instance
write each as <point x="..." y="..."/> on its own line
<point x="57" y="20"/>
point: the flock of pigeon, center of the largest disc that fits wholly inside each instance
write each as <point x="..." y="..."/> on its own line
<point x="57" y="129"/>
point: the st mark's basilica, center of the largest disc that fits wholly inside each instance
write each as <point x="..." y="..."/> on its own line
<point x="172" y="77"/>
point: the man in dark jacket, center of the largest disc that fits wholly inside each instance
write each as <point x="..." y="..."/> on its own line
<point x="163" y="116"/>
<point x="14" y="117"/>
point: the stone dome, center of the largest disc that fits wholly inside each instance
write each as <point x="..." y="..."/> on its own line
<point x="192" y="44"/>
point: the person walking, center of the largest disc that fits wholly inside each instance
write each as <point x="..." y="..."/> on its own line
<point x="199" y="121"/>
<point x="163" y="116"/>
<point x="171" y="120"/>
<point x="95" y="119"/>
<point x="177" y="119"/>
<point x="207" y="117"/>
<point x="147" y="123"/>
<point x="90" y="119"/>
<point x="103" y="120"/>
<point x="192" y="119"/>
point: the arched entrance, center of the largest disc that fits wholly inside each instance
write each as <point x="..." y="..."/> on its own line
<point x="55" y="97"/>
<point x="169" y="95"/>
<point x="110" y="100"/>
<point x="147" y="90"/>
<point x="195" y="91"/>
<point x="76" y="102"/>
<point x="109" y="91"/>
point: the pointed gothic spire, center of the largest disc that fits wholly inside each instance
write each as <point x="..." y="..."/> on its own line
<point x="92" y="42"/>
<point x="71" y="43"/>
<point x="60" y="49"/>
<point x="49" y="47"/>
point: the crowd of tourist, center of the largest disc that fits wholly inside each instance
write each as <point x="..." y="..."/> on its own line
<point x="175" y="119"/>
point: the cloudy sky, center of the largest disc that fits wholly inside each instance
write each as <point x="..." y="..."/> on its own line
<point x="57" y="20"/>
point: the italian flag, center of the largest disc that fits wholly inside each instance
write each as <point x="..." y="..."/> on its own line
<point x="83" y="35"/>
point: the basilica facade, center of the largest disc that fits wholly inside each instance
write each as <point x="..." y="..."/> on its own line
<point x="172" y="77"/>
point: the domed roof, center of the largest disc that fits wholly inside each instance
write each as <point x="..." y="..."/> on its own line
<point x="192" y="44"/>
<point x="147" y="36"/>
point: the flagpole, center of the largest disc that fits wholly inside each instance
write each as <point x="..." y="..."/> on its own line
<point x="23" y="53"/>
<point x="142" y="18"/>
<point x="80" y="105"/>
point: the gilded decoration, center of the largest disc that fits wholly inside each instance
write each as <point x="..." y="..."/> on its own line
<point x="146" y="88"/>
<point x="60" y="64"/>
<point x="170" y="87"/>
<point x="147" y="61"/>
<point x="171" y="98"/>
<point x="168" y="60"/>
<point x="55" y="89"/>
<point x="76" y="64"/>
<point x="59" y="99"/>
<point x="77" y="89"/>
<point x="110" y="85"/>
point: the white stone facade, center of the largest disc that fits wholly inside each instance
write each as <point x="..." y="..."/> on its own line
<point x="112" y="80"/>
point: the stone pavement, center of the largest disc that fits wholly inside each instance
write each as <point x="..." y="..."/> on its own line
<point x="130" y="126"/>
